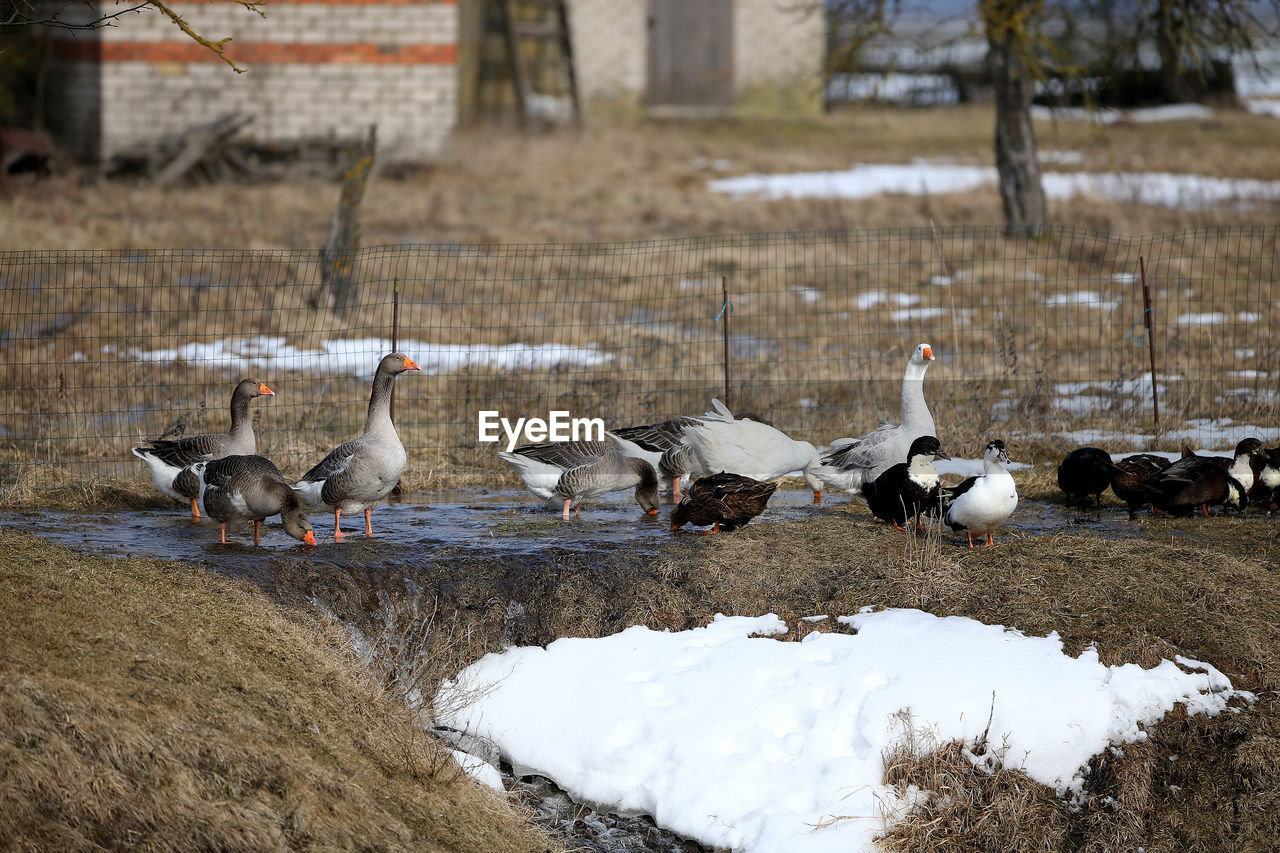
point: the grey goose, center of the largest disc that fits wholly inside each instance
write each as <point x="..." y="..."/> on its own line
<point x="170" y="460"/>
<point x="361" y="472"/>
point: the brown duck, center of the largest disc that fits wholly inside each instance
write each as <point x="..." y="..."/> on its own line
<point x="726" y="501"/>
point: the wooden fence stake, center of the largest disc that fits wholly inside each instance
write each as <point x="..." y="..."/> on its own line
<point x="1148" y="316"/>
<point x="725" y="308"/>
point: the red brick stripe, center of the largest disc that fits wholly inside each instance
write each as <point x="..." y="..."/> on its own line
<point x="260" y="53"/>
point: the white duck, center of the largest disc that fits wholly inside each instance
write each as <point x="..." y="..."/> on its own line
<point x="748" y="447"/>
<point x="981" y="504"/>
<point x="573" y="471"/>
<point x="361" y="472"/>
<point x="854" y="461"/>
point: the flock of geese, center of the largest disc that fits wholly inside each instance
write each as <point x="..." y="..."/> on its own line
<point x="719" y="469"/>
<point x="223" y="477"/>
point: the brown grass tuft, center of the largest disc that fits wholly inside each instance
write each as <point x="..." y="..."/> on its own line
<point x="147" y="704"/>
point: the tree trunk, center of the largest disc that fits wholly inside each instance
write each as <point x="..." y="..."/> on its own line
<point x="1020" y="187"/>
<point x="1173" y="82"/>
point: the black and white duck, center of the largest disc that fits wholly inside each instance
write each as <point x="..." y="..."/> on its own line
<point x="981" y="504"/>
<point x="355" y="475"/>
<point x="1085" y="473"/>
<point x="1265" y="493"/>
<point x="1129" y="475"/>
<point x="170" y="459"/>
<point x="236" y="489"/>
<point x="568" y="472"/>
<point x="909" y="488"/>
<point x="725" y="500"/>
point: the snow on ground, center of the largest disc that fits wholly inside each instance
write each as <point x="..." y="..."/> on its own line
<point x="871" y="298"/>
<point x="1179" y="191"/>
<point x="896" y="88"/>
<point x="1144" y="115"/>
<point x="741" y="741"/>
<point x="1263" y="107"/>
<point x="1222" y="433"/>
<point x="971" y="467"/>
<point x="359" y="357"/>
<point x="1216" y="318"/>
<point x="1087" y="298"/>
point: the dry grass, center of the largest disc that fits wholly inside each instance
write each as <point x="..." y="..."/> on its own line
<point x="154" y="706"/>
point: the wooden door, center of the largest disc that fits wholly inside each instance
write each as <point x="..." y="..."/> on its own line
<point x="690" y="52"/>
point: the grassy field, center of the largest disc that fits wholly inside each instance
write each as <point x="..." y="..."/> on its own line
<point x="171" y="679"/>
<point x="807" y="347"/>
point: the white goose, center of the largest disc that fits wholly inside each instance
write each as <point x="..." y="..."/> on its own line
<point x="573" y="471"/>
<point x="854" y="461"/>
<point x="361" y="472"/>
<point x="748" y="447"/>
<point x="981" y="504"/>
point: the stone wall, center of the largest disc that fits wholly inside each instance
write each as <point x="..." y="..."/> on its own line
<point x="313" y="68"/>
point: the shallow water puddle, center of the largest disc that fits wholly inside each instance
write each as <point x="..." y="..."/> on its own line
<point x="507" y="522"/>
<point x="499" y="522"/>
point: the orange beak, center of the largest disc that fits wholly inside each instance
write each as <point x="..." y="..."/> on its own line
<point x="409" y="365"/>
<point x="652" y="512"/>
<point x="264" y="391"/>
<point x="928" y="353"/>
<point x="310" y="538"/>
<point x="675" y="527"/>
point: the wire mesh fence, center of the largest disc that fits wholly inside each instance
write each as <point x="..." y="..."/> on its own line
<point x="1042" y="341"/>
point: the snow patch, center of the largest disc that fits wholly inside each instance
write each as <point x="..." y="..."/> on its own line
<point x="741" y="741"/>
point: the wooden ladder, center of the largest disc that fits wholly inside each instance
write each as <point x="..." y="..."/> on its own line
<point x="540" y="58"/>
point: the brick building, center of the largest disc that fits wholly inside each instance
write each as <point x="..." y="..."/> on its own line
<point x="321" y="67"/>
<point x="314" y="67"/>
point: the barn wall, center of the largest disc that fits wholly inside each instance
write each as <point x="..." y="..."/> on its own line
<point x="314" y="68"/>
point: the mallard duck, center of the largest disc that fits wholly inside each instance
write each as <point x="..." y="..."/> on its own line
<point x="235" y="489"/>
<point x="909" y="488"/>
<point x="727" y="501"/>
<point x="855" y="461"/>
<point x="1083" y="472"/>
<point x="1129" y="475"/>
<point x="662" y="446"/>
<point x="749" y="447"/>
<point x="1204" y="481"/>
<point x="574" y="471"/>
<point x="361" y="472"/>
<point x="981" y="504"/>
<point x="170" y="460"/>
